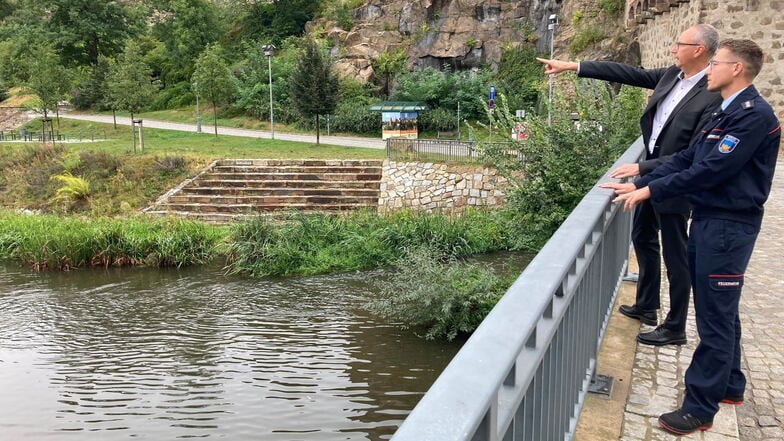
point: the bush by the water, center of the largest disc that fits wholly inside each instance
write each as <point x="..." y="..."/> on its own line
<point x="551" y="171"/>
<point x="321" y="243"/>
<point x="443" y="298"/>
<point x="62" y="243"/>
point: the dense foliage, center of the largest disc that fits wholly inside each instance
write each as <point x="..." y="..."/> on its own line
<point x="444" y="298"/>
<point x="553" y="169"/>
<point x="321" y="243"/>
<point x="71" y="46"/>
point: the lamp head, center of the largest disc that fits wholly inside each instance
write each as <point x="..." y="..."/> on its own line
<point x="268" y="49"/>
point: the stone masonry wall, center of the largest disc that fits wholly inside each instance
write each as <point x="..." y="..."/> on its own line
<point x="439" y="187"/>
<point x="660" y="22"/>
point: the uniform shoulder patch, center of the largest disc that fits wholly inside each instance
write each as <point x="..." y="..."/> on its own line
<point x="747" y="104"/>
<point x="728" y="144"/>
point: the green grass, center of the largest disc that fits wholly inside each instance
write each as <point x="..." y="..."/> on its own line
<point x="205" y="145"/>
<point x="63" y="243"/>
<point x="322" y="243"/>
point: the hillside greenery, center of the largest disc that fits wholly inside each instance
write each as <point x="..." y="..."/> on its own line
<point x="145" y="56"/>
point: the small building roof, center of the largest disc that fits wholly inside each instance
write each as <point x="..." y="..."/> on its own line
<point x="397" y="106"/>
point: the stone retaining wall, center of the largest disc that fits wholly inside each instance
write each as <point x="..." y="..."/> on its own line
<point x="439" y="187"/>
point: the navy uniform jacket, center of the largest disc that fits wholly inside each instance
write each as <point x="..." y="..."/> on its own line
<point x="682" y="124"/>
<point x="728" y="170"/>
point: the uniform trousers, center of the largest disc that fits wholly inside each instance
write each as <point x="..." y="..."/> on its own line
<point x="719" y="251"/>
<point x="645" y="237"/>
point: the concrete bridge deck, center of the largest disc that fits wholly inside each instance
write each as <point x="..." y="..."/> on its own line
<point x="649" y="380"/>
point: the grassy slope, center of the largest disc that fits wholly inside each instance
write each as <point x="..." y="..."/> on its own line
<point x="123" y="181"/>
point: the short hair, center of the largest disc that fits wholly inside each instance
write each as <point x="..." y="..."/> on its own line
<point x="708" y="36"/>
<point x="749" y="53"/>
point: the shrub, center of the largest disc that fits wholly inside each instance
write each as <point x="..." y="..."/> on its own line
<point x="444" y="298"/>
<point x="355" y="118"/>
<point x="73" y="189"/>
<point x="563" y="161"/>
<point x="438" y="119"/>
<point x="585" y="37"/>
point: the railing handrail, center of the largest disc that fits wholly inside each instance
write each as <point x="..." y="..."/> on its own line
<point x="481" y="391"/>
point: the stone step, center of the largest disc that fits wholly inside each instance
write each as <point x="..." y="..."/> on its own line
<point x="293" y="191"/>
<point x="253" y="208"/>
<point x="212" y="218"/>
<point x="318" y="183"/>
<point x="293" y="176"/>
<point x="295" y="169"/>
<point x="281" y="200"/>
<point x="301" y="162"/>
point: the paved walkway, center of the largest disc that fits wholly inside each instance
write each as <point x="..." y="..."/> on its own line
<point x="657" y="375"/>
<point x="346" y="141"/>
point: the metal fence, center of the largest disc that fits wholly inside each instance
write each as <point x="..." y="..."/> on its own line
<point x="441" y="150"/>
<point x="524" y="373"/>
<point x="57" y="136"/>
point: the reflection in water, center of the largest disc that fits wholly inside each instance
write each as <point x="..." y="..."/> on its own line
<point x="104" y="355"/>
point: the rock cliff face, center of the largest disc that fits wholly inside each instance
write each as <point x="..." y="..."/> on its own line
<point x="459" y="33"/>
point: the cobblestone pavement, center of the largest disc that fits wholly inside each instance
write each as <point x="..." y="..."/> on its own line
<point x="657" y="375"/>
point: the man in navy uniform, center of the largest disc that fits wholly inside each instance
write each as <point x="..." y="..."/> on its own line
<point x="726" y="173"/>
<point x="680" y="100"/>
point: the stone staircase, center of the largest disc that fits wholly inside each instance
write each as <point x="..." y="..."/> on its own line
<point x="231" y="188"/>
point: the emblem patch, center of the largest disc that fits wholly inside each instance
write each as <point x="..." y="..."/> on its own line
<point x="728" y="144"/>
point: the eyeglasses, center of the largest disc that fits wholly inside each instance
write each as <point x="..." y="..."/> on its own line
<point x="678" y="44"/>
<point x="717" y="62"/>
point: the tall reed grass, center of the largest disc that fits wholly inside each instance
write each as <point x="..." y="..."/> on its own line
<point x="62" y="243"/>
<point x="322" y="243"/>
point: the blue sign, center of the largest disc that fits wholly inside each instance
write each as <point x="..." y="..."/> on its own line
<point x="492" y="93"/>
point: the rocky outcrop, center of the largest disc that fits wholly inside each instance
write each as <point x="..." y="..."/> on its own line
<point x="460" y="33"/>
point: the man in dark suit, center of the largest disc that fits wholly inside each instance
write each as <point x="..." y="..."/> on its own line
<point x="680" y="100"/>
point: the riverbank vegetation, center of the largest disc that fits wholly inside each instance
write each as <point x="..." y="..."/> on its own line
<point x="322" y="243"/>
<point x="63" y="243"/>
<point x="442" y="297"/>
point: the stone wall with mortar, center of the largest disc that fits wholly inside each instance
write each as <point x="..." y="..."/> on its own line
<point x="439" y="187"/>
<point x="657" y="24"/>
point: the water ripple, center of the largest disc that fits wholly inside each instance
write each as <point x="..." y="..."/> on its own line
<point x="105" y="355"/>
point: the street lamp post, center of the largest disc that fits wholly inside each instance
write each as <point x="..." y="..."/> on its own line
<point x="269" y="49"/>
<point x="198" y="112"/>
<point x="552" y="22"/>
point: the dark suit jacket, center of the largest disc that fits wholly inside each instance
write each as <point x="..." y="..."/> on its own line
<point x="681" y="126"/>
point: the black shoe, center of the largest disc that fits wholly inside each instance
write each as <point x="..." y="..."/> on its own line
<point x="681" y="423"/>
<point x="735" y="400"/>
<point x="662" y="336"/>
<point x="646" y="317"/>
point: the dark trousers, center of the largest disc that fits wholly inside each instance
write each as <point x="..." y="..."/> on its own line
<point x="645" y="237"/>
<point x="719" y="251"/>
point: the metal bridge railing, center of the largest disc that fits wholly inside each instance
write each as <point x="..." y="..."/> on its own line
<point x="524" y="373"/>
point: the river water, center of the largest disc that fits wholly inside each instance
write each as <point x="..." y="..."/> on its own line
<point x="167" y="354"/>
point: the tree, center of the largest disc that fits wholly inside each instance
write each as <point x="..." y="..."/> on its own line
<point x="90" y="90"/>
<point x="130" y="86"/>
<point x="85" y="29"/>
<point x="520" y="76"/>
<point x="185" y="29"/>
<point x="213" y="80"/>
<point x="46" y="78"/>
<point x="275" y="20"/>
<point x="388" y="65"/>
<point x="314" y="88"/>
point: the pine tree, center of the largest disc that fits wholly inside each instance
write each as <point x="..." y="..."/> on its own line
<point x="314" y="88"/>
